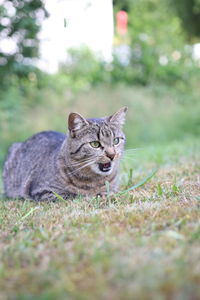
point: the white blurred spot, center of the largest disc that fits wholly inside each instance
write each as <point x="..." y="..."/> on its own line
<point x="163" y="60"/>
<point x="176" y="55"/>
<point x="5" y="21"/>
<point x="8" y="46"/>
<point x="143" y="37"/>
<point x="196" y="51"/>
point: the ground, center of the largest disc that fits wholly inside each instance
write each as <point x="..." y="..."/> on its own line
<point x="143" y="244"/>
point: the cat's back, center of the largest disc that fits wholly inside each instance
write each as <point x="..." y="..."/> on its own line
<point x="50" y="138"/>
<point x="24" y="158"/>
<point x="45" y="141"/>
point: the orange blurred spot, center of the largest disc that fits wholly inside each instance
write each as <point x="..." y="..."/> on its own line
<point x="122" y="22"/>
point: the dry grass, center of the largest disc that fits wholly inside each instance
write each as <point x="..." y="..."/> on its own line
<point x="142" y="245"/>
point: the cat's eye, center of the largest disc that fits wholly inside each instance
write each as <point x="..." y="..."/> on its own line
<point x="95" y="144"/>
<point x="116" y="141"/>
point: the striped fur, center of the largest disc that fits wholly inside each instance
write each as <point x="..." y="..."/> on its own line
<point x="68" y="165"/>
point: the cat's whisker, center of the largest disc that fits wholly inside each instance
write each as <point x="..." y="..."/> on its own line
<point x="128" y="158"/>
<point x="81" y="162"/>
<point x="85" y="165"/>
<point x="129" y="154"/>
<point x="75" y="171"/>
<point x="57" y="155"/>
<point x="132" y="150"/>
<point x="128" y="161"/>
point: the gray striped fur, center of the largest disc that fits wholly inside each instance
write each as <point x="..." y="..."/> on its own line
<point x="68" y="165"/>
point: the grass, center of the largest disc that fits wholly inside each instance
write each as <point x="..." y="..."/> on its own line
<point x="143" y="244"/>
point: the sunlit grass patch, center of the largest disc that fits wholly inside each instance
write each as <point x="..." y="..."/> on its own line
<point x="143" y="244"/>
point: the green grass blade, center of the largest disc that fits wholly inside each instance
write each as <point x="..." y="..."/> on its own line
<point x="28" y="213"/>
<point x="59" y="197"/>
<point x="108" y="190"/>
<point x="139" y="184"/>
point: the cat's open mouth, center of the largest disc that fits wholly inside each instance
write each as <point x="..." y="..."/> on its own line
<point x="105" y="167"/>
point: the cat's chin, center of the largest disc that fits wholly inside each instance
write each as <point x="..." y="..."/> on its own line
<point x="102" y="169"/>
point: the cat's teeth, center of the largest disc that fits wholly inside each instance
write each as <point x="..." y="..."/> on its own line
<point x="105" y="167"/>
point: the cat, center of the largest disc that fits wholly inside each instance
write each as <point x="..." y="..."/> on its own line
<point x="79" y="163"/>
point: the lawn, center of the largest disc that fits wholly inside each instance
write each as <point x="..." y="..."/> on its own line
<point x="143" y="244"/>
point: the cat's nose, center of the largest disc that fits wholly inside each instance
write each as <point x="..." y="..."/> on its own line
<point x="111" y="155"/>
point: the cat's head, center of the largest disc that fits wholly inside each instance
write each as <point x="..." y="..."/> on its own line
<point x="96" y="143"/>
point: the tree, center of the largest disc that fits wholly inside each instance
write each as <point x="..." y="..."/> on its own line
<point x="122" y="5"/>
<point x="156" y="42"/>
<point x="189" y="13"/>
<point x="20" y="22"/>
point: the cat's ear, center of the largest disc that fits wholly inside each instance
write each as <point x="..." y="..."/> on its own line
<point x="76" y="122"/>
<point x="119" y="117"/>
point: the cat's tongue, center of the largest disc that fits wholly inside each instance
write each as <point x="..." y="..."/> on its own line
<point x="105" y="167"/>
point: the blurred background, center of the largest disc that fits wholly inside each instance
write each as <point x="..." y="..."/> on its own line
<point x="94" y="56"/>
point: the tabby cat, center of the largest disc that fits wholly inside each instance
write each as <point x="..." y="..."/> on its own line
<point x="75" y="164"/>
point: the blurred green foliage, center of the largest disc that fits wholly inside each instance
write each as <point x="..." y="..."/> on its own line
<point x="83" y="68"/>
<point x="157" y="43"/>
<point x="187" y="11"/>
<point x="158" y="114"/>
<point x="20" y="22"/>
<point x="189" y="14"/>
<point x="156" y="77"/>
<point x="154" y="50"/>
